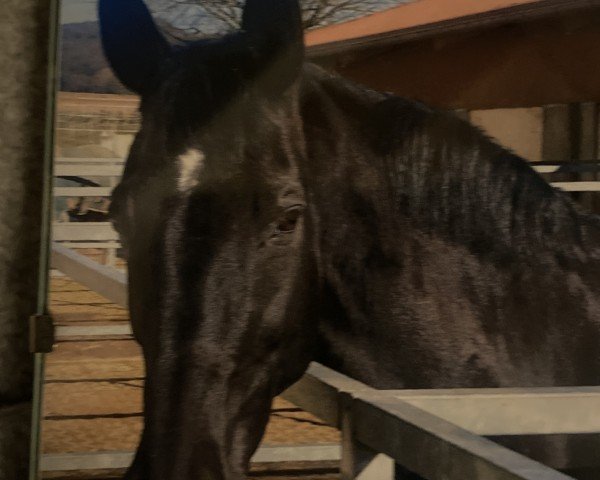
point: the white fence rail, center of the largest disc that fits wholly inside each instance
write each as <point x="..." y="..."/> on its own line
<point x="83" y="191"/>
<point x="93" y="170"/>
<point x="107" y="281"/>
<point x="84" y="232"/>
<point x="577" y="186"/>
<point x="97" y="235"/>
<point x="571" y="186"/>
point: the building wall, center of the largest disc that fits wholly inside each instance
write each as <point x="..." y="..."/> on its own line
<point x="520" y="129"/>
<point x="517" y="65"/>
<point x="553" y="133"/>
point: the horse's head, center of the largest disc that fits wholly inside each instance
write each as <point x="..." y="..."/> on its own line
<point x="210" y="206"/>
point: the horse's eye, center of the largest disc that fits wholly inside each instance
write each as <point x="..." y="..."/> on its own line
<point x="287" y="223"/>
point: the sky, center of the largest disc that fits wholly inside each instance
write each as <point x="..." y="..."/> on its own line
<point x="193" y="19"/>
<point x="75" y="11"/>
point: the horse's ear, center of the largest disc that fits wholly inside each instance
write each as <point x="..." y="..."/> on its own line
<point x="276" y="38"/>
<point x="132" y="44"/>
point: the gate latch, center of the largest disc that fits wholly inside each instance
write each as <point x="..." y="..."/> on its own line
<point x="41" y="333"/>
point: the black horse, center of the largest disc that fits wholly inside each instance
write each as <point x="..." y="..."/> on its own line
<point x="275" y="214"/>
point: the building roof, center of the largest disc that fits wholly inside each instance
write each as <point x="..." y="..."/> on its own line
<point x="425" y="18"/>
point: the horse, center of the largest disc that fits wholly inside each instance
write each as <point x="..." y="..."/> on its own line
<point x="275" y="214"/>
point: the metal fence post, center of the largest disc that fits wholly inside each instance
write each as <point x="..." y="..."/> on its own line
<point x="359" y="462"/>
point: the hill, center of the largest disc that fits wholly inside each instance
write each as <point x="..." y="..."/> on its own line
<point x="83" y="66"/>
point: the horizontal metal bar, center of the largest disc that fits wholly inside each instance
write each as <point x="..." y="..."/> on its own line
<point x="83" y="191"/>
<point x="89" y="160"/>
<point x="66" y="462"/>
<point x="297" y="453"/>
<point x="435" y="448"/>
<point x="101" y="245"/>
<point x="500" y="411"/>
<point x="77" y="170"/>
<point x="577" y="186"/>
<point x="92" y="331"/>
<point x="84" y="231"/>
<point x="106" y="281"/>
<point x="579" y="167"/>
<point x="319" y="390"/>
<point x="457" y="393"/>
<point x="546" y="168"/>
<point x="526" y="411"/>
<point x="93" y="380"/>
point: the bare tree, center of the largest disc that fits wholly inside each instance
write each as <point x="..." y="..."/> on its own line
<point x="224" y="15"/>
<point x="318" y="13"/>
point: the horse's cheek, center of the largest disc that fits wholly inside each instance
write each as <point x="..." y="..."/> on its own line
<point x="280" y="271"/>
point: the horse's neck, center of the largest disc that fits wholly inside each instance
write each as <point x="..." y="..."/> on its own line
<point x="394" y="158"/>
<point x="421" y="225"/>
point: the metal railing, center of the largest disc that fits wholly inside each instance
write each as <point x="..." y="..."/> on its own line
<point x="439" y="434"/>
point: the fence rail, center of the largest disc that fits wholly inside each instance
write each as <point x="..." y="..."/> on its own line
<point x="78" y="170"/>
<point x="438" y="433"/>
<point x="89" y="160"/>
<point x="107" y="281"/>
<point x="582" y="169"/>
<point x="83" y="191"/>
<point x="84" y="232"/>
<point x="96" y="235"/>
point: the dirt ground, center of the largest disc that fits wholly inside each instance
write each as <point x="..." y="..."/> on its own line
<point x="93" y="394"/>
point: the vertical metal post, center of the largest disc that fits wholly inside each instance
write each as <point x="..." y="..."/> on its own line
<point x="587" y="148"/>
<point x="557" y="144"/>
<point x="358" y="462"/>
<point x="46" y="218"/>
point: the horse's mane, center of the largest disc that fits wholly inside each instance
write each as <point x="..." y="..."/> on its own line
<point x="448" y="178"/>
